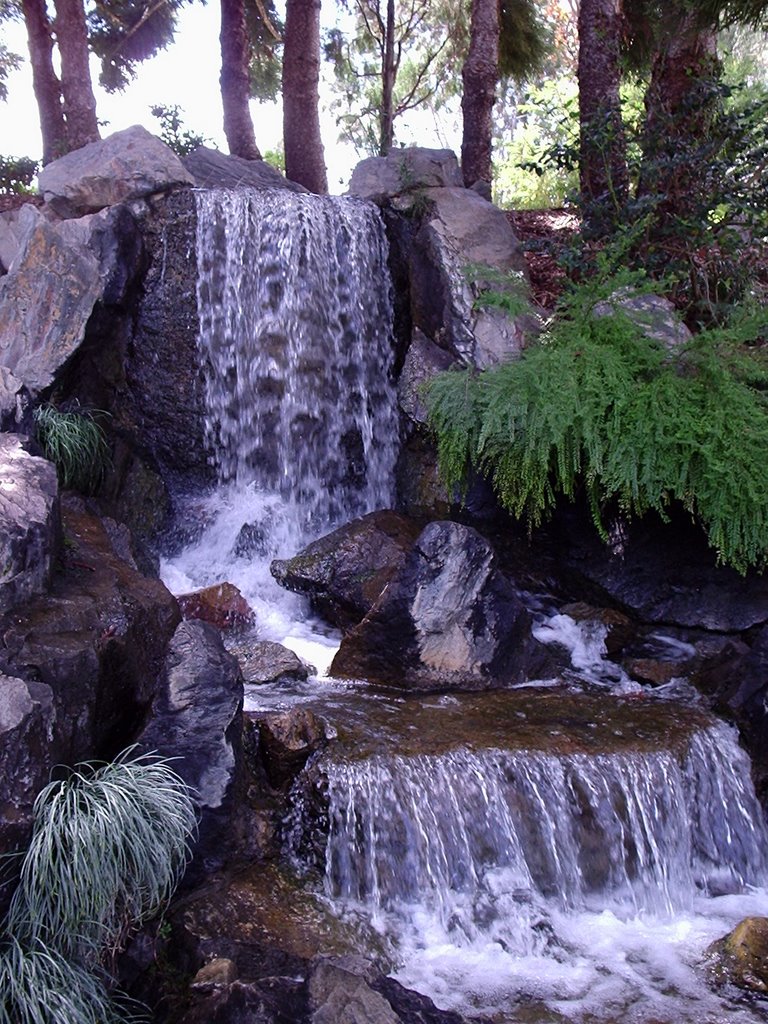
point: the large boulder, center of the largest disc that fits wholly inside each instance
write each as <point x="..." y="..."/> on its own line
<point x="212" y="169"/>
<point x="197" y="719"/>
<point x="741" y="957"/>
<point x="655" y="315"/>
<point x="128" y="164"/>
<point x="448" y="619"/>
<point x="264" y="661"/>
<point x="29" y="512"/>
<point x="344" y="572"/>
<point x="404" y="170"/>
<point x="97" y="637"/>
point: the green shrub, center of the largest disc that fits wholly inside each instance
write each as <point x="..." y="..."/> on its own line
<point x="17" y="174"/>
<point x="108" y="847"/>
<point x="597" y="405"/>
<point x="74" y="441"/>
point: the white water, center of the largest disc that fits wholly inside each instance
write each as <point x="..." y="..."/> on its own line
<point x="295" y="307"/>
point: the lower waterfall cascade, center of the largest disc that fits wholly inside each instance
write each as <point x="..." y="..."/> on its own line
<point x="559" y="881"/>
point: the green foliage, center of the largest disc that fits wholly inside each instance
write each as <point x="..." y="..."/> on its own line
<point x="74" y="441"/>
<point x="123" y="33"/>
<point x="597" y="405"/>
<point x="497" y="289"/>
<point x="16" y="175"/>
<point x="108" y="847"/>
<point x="173" y="131"/>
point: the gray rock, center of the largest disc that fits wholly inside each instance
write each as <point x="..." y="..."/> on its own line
<point x="29" y="513"/>
<point x="405" y="170"/>
<point x="340" y="993"/>
<point x="287" y="739"/>
<point x="127" y="165"/>
<point x="26" y="725"/>
<point x="344" y="572"/>
<point x="15" y="402"/>
<point x="197" y="718"/>
<point x="447" y="619"/>
<point x="263" y="661"/>
<point x="14" y="226"/>
<point x="212" y="169"/>
<point x="655" y="315"/>
<point x="423" y="361"/>
<point x="462" y="234"/>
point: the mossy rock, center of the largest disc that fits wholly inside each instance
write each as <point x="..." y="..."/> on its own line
<point x="741" y="957"/>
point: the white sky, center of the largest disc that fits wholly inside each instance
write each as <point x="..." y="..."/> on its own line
<point x="186" y="74"/>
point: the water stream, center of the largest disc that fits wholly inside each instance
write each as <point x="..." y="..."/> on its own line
<point x="562" y="853"/>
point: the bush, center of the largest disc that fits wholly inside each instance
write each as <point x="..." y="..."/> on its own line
<point x="108" y="847"/>
<point x="597" y="405"/>
<point x="17" y="174"/>
<point x="75" y="443"/>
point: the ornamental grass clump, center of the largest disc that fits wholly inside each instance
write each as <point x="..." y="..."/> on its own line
<point x="109" y="845"/>
<point x="74" y="442"/>
<point x="597" y="405"/>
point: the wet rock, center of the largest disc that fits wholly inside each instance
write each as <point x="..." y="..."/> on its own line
<point x="653" y="314"/>
<point x="128" y="164"/>
<point x="27" y="720"/>
<point x="421" y="492"/>
<point x="287" y="740"/>
<point x="741" y="957"/>
<point x="462" y="240"/>
<point x="251" y="541"/>
<point x="651" y="670"/>
<point x="344" y="572"/>
<point x="216" y="972"/>
<point x="221" y="604"/>
<point x="97" y="637"/>
<point x="274" y="1001"/>
<point x="263" y="661"/>
<point x="448" y="619"/>
<point x="340" y="993"/>
<point x="212" y="169"/>
<point x="29" y="513"/>
<point x="404" y="170"/>
<point x="15" y="403"/>
<point x="620" y="629"/>
<point x="423" y="361"/>
<point x="197" y="718"/>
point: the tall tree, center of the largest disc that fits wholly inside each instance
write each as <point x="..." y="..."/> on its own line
<point x="303" y="144"/>
<point x="45" y="81"/>
<point x="602" y="147"/>
<point x="235" y="82"/>
<point x="79" y="103"/>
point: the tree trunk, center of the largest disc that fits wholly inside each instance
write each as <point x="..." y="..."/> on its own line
<point x="45" y="82"/>
<point x="602" y="146"/>
<point x="388" y="76"/>
<point x="480" y="76"/>
<point x="235" y="81"/>
<point x="304" y="158"/>
<point x="76" y="90"/>
<point x="680" y="105"/>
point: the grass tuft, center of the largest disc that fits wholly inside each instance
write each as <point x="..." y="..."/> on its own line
<point x="75" y="443"/>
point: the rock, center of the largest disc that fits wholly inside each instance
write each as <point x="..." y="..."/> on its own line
<point x="287" y="739"/>
<point x="97" y="637"/>
<point x="221" y="604"/>
<point x="15" y="403"/>
<point x="29" y="513"/>
<point x="251" y="540"/>
<point x="421" y="492"/>
<point x="247" y="1003"/>
<point x="27" y="719"/>
<point x="655" y="315"/>
<point x="404" y="170"/>
<point x="197" y="718"/>
<point x="651" y="670"/>
<point x="14" y="225"/>
<point x="212" y="169"/>
<point x="447" y="619"/>
<point x="741" y="957"/>
<point x="344" y="572"/>
<point x="620" y="629"/>
<point x="263" y="661"/>
<point x="127" y="165"/>
<point x="423" y="361"/>
<point x="340" y="993"/>
<point x="216" y="972"/>
<point x="462" y="234"/>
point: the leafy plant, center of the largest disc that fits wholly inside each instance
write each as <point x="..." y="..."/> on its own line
<point x="16" y="175"/>
<point x="74" y="441"/>
<point x="498" y="289"/>
<point x="109" y="845"/>
<point x="173" y="131"/>
<point x="599" y="406"/>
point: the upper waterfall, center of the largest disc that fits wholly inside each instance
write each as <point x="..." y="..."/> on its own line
<point x="295" y="305"/>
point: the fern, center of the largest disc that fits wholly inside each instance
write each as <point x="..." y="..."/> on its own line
<point x="597" y="405"/>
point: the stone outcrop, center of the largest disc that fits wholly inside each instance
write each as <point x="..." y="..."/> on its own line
<point x="403" y="171"/>
<point x="128" y="164"/>
<point x="221" y="604"/>
<point x="287" y="739"/>
<point x="448" y="619"/>
<point x="263" y="661"/>
<point x="197" y="718"/>
<point x="212" y="169"/>
<point x="741" y="957"/>
<point x="97" y="637"/>
<point x="653" y="314"/>
<point x="29" y="513"/>
<point x="344" y="572"/>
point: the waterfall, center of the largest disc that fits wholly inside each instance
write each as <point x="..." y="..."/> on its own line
<point x="295" y="306"/>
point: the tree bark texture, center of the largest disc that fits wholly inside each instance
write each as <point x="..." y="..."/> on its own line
<point x="235" y="81"/>
<point x="304" y="157"/>
<point x="602" y="147"/>
<point x="388" y="76"/>
<point x="480" y="76"/>
<point x="45" y="81"/>
<point x="76" y="89"/>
